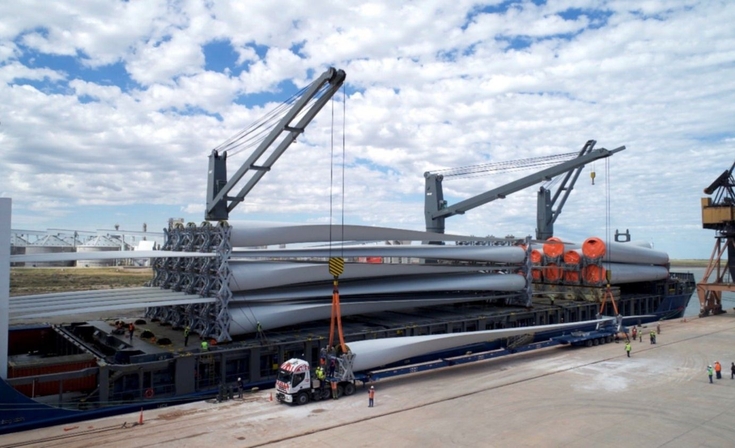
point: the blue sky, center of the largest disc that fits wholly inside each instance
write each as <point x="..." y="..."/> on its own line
<point x="109" y="110"/>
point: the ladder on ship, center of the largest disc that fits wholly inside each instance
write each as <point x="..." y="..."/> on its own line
<point x="208" y="361"/>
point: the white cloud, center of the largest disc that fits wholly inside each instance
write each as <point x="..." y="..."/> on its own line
<point x="431" y="87"/>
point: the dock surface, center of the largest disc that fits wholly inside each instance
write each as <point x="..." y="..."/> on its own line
<point x="555" y="397"/>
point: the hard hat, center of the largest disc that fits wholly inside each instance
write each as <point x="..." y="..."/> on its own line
<point x="372" y="387"/>
<point x="709" y="365"/>
<point x="238" y="379"/>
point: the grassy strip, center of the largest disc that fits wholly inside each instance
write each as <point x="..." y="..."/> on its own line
<point x="25" y="281"/>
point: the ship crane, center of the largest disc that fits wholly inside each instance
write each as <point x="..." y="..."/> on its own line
<point x="436" y="209"/>
<point x="296" y="114"/>
<point x="718" y="214"/>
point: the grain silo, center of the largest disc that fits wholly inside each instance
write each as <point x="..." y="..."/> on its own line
<point x="50" y="244"/>
<point x="96" y="244"/>
<point x="17" y="247"/>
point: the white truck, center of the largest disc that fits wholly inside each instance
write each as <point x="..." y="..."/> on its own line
<point x="296" y="384"/>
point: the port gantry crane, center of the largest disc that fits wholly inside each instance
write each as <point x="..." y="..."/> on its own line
<point x="718" y="213"/>
<point x="436" y="209"/>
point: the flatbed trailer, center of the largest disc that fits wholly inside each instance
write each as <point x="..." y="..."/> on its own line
<point x="590" y="338"/>
<point x="297" y="382"/>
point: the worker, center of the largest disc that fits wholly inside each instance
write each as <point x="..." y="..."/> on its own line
<point x="320" y="374"/>
<point x="634" y="332"/>
<point x="371" y="396"/>
<point x="332" y="367"/>
<point x="710" y="371"/>
<point x="259" y="331"/>
<point x="334" y="390"/>
<point x="131" y="329"/>
<point x="652" y="336"/>
<point x="627" y="348"/>
<point x="205" y="345"/>
<point x="187" y="330"/>
<point x="732" y="371"/>
<point x="239" y="387"/>
<point x="718" y="370"/>
<point x="658" y="328"/>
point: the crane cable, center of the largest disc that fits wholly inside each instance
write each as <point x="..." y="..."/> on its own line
<point x="336" y="264"/>
<point x="608" y="289"/>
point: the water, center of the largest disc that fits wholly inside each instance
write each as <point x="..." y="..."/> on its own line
<point x="728" y="298"/>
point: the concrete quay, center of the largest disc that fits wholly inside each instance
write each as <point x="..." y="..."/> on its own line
<point x="555" y="397"/>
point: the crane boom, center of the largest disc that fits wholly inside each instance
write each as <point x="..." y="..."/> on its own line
<point x="436" y="209"/>
<point x="219" y="201"/>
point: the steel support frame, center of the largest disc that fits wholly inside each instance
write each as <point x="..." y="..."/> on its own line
<point x="710" y="293"/>
<point x="206" y="277"/>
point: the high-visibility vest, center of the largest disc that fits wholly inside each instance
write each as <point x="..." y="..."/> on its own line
<point x="205" y="345"/>
<point x="371" y="393"/>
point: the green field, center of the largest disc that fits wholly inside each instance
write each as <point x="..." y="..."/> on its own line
<point x="25" y="281"/>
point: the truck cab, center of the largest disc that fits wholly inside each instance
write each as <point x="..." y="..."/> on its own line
<point x="295" y="383"/>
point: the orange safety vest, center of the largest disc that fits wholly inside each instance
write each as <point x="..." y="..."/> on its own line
<point x="718" y="367"/>
<point x="371" y="394"/>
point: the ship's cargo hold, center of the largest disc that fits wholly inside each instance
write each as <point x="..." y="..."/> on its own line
<point x="623" y="273"/>
<point x="29" y="365"/>
<point x="594" y="248"/>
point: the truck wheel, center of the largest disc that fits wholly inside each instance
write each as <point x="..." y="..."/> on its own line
<point x="326" y="393"/>
<point x="340" y="391"/>
<point x="349" y="389"/>
<point x="302" y="398"/>
<point x="595" y="342"/>
<point x="588" y="343"/>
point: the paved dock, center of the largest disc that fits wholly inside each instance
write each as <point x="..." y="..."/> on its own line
<point x="555" y="397"/>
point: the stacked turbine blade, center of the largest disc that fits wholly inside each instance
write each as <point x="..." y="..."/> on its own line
<point x="282" y="286"/>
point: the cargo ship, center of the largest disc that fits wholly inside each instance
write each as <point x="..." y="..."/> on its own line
<point x="59" y="374"/>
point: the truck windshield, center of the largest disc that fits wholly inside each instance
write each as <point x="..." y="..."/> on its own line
<point x="284" y="376"/>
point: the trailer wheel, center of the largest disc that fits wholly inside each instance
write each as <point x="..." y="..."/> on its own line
<point x="588" y="343"/>
<point x="610" y="339"/>
<point x="349" y="389"/>
<point x="302" y="398"/>
<point x="340" y="391"/>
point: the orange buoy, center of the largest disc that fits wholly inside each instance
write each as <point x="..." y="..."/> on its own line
<point x="553" y="273"/>
<point x="571" y="276"/>
<point x="572" y="257"/>
<point x="593" y="275"/>
<point x="553" y="247"/>
<point x="593" y="248"/>
<point x="536" y="256"/>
